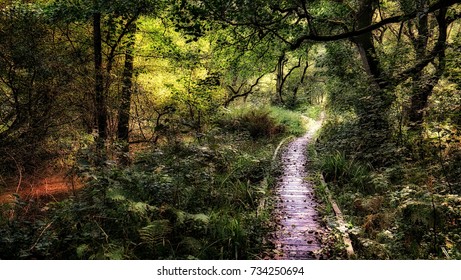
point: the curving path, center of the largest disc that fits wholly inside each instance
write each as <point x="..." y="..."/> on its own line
<point x="298" y="232"/>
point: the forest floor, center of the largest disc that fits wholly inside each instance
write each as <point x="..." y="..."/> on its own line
<point x="299" y="233"/>
<point x="49" y="188"/>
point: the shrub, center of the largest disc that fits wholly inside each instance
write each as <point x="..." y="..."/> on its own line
<point x="262" y="122"/>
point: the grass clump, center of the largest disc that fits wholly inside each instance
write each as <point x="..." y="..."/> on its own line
<point x="345" y="172"/>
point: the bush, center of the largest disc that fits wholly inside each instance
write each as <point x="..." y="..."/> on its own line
<point x="264" y="122"/>
<point x="260" y="124"/>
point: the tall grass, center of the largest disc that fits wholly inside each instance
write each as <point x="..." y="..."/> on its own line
<point x="313" y="111"/>
<point x="346" y="172"/>
<point x="291" y="120"/>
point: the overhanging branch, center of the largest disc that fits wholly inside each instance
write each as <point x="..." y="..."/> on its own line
<point x="395" y="19"/>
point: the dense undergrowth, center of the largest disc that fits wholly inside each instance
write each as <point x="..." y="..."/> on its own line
<point x="191" y="199"/>
<point x="403" y="203"/>
<point x="394" y="176"/>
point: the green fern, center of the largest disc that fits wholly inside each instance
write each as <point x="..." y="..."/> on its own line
<point x="155" y="233"/>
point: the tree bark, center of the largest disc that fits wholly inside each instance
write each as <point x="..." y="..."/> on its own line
<point x="423" y="85"/>
<point x="127" y="89"/>
<point x="300" y="83"/>
<point x="100" y="101"/>
<point x="279" y="85"/>
<point x="365" y="44"/>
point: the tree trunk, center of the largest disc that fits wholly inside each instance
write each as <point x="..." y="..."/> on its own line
<point x="375" y="107"/>
<point x="365" y="44"/>
<point x="100" y="102"/>
<point x="423" y="85"/>
<point x="127" y="89"/>
<point x="279" y="85"/>
<point x="300" y="83"/>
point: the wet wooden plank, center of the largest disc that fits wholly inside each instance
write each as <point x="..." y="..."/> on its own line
<point x="298" y="228"/>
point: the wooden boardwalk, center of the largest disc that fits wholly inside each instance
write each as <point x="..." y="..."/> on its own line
<point x="298" y="230"/>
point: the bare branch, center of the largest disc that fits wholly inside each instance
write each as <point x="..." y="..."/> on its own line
<point x="244" y="94"/>
<point x="291" y="70"/>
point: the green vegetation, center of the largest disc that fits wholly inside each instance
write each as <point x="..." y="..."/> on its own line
<point x="165" y="115"/>
<point x="190" y="200"/>
<point x="391" y="169"/>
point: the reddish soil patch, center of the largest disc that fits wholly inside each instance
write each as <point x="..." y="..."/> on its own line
<point x="52" y="187"/>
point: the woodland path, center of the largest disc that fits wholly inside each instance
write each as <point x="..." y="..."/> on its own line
<point x="298" y="231"/>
